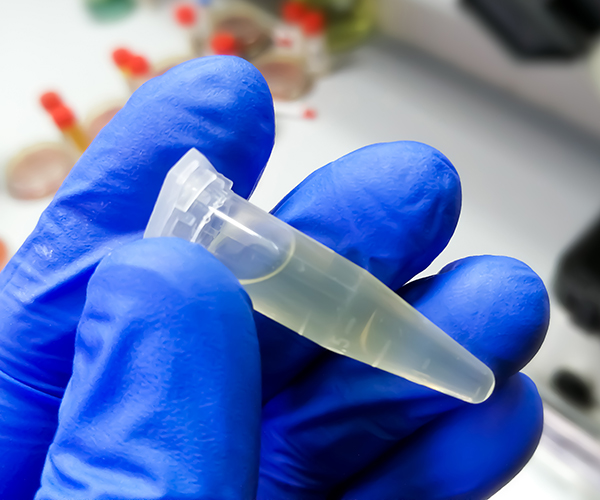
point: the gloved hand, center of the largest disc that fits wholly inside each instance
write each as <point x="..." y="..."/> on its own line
<point x="154" y="355"/>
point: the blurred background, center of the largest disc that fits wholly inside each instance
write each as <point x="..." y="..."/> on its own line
<point x="509" y="90"/>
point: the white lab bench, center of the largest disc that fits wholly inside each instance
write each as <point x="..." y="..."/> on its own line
<point x="530" y="184"/>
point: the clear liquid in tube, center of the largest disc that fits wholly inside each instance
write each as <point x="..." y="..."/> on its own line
<point x="305" y="286"/>
<point x="337" y="304"/>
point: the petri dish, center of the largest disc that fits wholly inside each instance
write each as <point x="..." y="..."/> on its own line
<point x="38" y="171"/>
<point x="96" y="120"/>
<point x="252" y="38"/>
<point x="286" y="76"/>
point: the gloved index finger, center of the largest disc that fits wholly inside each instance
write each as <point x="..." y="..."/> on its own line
<point x="221" y="106"/>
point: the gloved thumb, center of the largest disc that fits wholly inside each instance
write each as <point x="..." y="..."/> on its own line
<point x="164" y="401"/>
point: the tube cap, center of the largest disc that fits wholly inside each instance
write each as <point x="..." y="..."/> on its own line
<point x="63" y="117"/>
<point x="139" y="66"/>
<point x="121" y="57"/>
<point x="3" y="254"/>
<point x="185" y="15"/>
<point x="224" y="43"/>
<point x="50" y="100"/>
<point x="292" y="11"/>
<point x="313" y="23"/>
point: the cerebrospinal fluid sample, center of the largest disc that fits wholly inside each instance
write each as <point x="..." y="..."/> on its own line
<point x="307" y="287"/>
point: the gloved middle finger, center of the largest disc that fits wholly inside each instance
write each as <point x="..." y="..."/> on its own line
<point x="390" y="208"/>
<point x="337" y="419"/>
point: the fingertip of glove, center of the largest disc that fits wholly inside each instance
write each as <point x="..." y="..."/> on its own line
<point x="204" y="75"/>
<point x="497" y="307"/>
<point x="219" y="105"/>
<point x="511" y="422"/>
<point x="382" y="196"/>
<point x="517" y="396"/>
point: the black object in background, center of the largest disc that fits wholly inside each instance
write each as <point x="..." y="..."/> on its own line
<point x="578" y="280"/>
<point x="541" y="29"/>
<point x="582" y="13"/>
<point x="573" y="388"/>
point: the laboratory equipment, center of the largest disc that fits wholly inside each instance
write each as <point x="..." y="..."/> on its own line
<point x="140" y="72"/>
<point x="349" y="22"/>
<point x="577" y="282"/>
<point x="318" y="59"/>
<point x="64" y="118"/>
<point x="50" y="100"/>
<point x="540" y="30"/>
<point x="286" y="75"/>
<point x="70" y="128"/>
<point x="121" y="57"/>
<point x="3" y="254"/>
<point x="223" y="43"/>
<point x="38" y="170"/>
<point x="250" y="27"/>
<point x="297" y="110"/>
<point x="287" y="35"/>
<point x="309" y="288"/>
<point x="110" y="10"/>
<point x="134" y="68"/>
<point x="193" y="21"/>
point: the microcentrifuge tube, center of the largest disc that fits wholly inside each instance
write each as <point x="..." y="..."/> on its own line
<point x="140" y="72"/>
<point x="287" y="35"/>
<point x="193" y="20"/>
<point x="121" y="57"/>
<point x="50" y="100"/>
<point x="223" y="43"/>
<point x="309" y="288"/>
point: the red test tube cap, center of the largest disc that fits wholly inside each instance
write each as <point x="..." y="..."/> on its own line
<point x="313" y="23"/>
<point x="139" y="66"/>
<point x="63" y="117"/>
<point x="121" y="57"/>
<point x="50" y="100"/>
<point x="293" y="11"/>
<point x="185" y="15"/>
<point x="224" y="43"/>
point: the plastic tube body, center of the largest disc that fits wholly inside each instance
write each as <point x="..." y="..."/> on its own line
<point x="318" y="58"/>
<point x="310" y="289"/>
<point x="77" y="137"/>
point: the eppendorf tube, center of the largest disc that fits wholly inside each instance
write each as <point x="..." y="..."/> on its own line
<point x="309" y="288"/>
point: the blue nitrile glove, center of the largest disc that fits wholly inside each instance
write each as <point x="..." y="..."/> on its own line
<point x="165" y="394"/>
